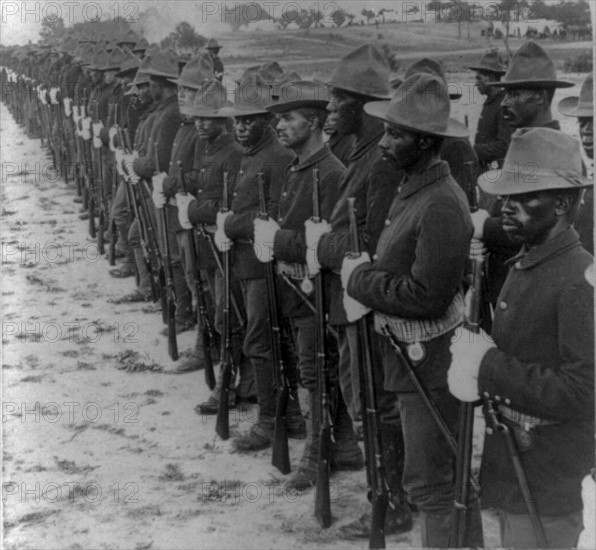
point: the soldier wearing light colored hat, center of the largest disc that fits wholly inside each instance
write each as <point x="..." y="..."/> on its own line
<point x="539" y="372"/>
<point x="216" y="154"/>
<point x="414" y="288"/>
<point x="361" y="76"/>
<point x="262" y="153"/>
<point x="301" y="110"/>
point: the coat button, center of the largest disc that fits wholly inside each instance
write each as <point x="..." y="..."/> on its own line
<point x="200" y="191"/>
<point x="375" y="257"/>
<point x="387" y="222"/>
<point x="284" y="194"/>
<point x="280" y="219"/>
<point x="507" y="401"/>
<point x="486" y="394"/>
<point x="497" y="398"/>
<point x="503" y="305"/>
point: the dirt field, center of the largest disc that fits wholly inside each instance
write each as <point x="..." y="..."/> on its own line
<point x="101" y="446"/>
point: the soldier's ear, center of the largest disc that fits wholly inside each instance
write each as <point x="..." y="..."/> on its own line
<point x="425" y="143"/>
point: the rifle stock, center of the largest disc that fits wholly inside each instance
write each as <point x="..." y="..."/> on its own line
<point x="280" y="456"/>
<point x="222" y="422"/>
<point x="373" y="443"/>
<point x="322" y="494"/>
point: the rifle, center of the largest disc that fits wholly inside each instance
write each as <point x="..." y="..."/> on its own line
<point x="101" y="221"/>
<point x="379" y="492"/>
<point x="459" y="524"/>
<point x="280" y="457"/>
<point x="149" y="244"/>
<point x="322" y="495"/>
<point x="113" y="229"/>
<point x="88" y="158"/>
<point x="205" y="324"/>
<point x="169" y="274"/>
<point x="222" y="423"/>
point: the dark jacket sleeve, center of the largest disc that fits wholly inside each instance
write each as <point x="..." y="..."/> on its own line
<point x="563" y="394"/>
<point x="442" y="245"/>
<point x="496" y="149"/>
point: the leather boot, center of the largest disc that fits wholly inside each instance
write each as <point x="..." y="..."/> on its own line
<point x="306" y="474"/>
<point x="398" y="518"/>
<point x="210" y="406"/>
<point x="260" y="436"/>
<point x="296" y="425"/>
<point x="345" y="451"/>
<point x="144" y="277"/>
<point x="195" y="360"/>
<point x="127" y="269"/>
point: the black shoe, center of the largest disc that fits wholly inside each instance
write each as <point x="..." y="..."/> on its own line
<point x="301" y="480"/>
<point x="211" y="406"/>
<point x="254" y="440"/>
<point x="134" y="296"/>
<point x="190" y="363"/>
<point x="180" y="327"/>
<point x="123" y="272"/>
<point x="77" y="199"/>
<point x="397" y="521"/>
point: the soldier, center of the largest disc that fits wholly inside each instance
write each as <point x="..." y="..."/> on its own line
<point x="263" y="154"/>
<point x="537" y="378"/>
<point x="493" y="133"/>
<point x="301" y="111"/>
<point x="217" y="154"/>
<point x="340" y="144"/>
<point x="213" y="49"/>
<point x="361" y="76"/>
<point x="162" y="68"/>
<point x="582" y="107"/>
<point x="529" y="84"/>
<point x="414" y="287"/>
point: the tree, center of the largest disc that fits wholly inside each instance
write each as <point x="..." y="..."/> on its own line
<point x="369" y="14"/>
<point x="184" y="38"/>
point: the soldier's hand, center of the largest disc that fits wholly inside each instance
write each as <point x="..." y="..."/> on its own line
<point x="354" y="309"/>
<point x="467" y="350"/>
<point x="112" y="133"/>
<point x="264" y="236"/>
<point x="159" y="199"/>
<point x="478" y="219"/>
<point x="313" y="231"/>
<point x="67" y="109"/>
<point x="222" y="241"/>
<point x="183" y="201"/>
<point x="349" y="264"/>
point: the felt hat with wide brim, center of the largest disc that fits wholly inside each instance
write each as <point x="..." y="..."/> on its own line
<point x="300" y="94"/>
<point x="163" y="64"/>
<point x="363" y="71"/>
<point x="420" y="105"/>
<point x="538" y="159"/>
<point x="195" y="73"/>
<point x="210" y="99"/>
<point x="531" y="67"/>
<point x="582" y="106"/>
<point x="430" y="66"/>
<point x="490" y="62"/>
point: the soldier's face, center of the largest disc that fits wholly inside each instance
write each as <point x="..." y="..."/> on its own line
<point x="109" y="76"/>
<point x="586" y="133"/>
<point x="482" y="81"/>
<point x="400" y="147"/>
<point x="156" y="90"/>
<point x="348" y="110"/>
<point x="143" y="92"/>
<point x="250" y="129"/>
<point x="293" y="129"/>
<point x="186" y="98"/>
<point x="527" y="218"/>
<point x="520" y="106"/>
<point x="209" y="128"/>
<point x="97" y="76"/>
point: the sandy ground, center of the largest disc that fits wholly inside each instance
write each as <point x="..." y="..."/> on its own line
<point x="96" y="456"/>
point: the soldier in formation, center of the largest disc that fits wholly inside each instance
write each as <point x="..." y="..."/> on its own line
<point x="325" y="234"/>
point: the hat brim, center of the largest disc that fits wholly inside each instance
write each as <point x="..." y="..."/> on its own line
<point x="185" y="83"/>
<point x="242" y="110"/>
<point x="532" y="84"/>
<point x="124" y="72"/>
<point x="210" y="113"/>
<point x="507" y="182"/>
<point x="297" y="104"/>
<point x="167" y="76"/>
<point x="484" y="69"/>
<point x="347" y="88"/>
<point x="379" y="109"/>
<point x="569" y="107"/>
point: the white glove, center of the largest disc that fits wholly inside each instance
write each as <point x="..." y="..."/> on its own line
<point x="42" y="96"/>
<point x="86" y="131"/>
<point x="67" y="109"/>
<point x="477" y="249"/>
<point x="478" y="219"/>
<point x="128" y="163"/>
<point x="467" y="350"/>
<point x="313" y="233"/>
<point x="159" y="199"/>
<point x="183" y="201"/>
<point x="354" y="309"/>
<point x="264" y="237"/>
<point x="222" y="241"/>
<point x="349" y="264"/>
<point x="97" y="126"/>
<point x="97" y="142"/>
<point x="112" y="132"/>
<point x="75" y="113"/>
<point x="54" y="95"/>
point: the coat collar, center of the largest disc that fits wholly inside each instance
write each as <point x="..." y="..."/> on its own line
<point x="269" y="136"/>
<point x="219" y="143"/>
<point x="563" y="242"/>
<point x="411" y="185"/>
<point x="372" y="134"/>
<point x="317" y="156"/>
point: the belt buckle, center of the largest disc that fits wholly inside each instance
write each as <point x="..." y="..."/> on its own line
<point x="416" y="352"/>
<point x="306" y="286"/>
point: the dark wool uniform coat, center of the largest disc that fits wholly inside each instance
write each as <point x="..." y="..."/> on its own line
<point x="493" y="133"/>
<point x="295" y="207"/>
<point x="543" y="366"/>
<point x="421" y="258"/>
<point x="372" y="181"/>
<point x="270" y="157"/>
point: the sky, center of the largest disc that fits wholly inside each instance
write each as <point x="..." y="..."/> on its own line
<point x="21" y="20"/>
